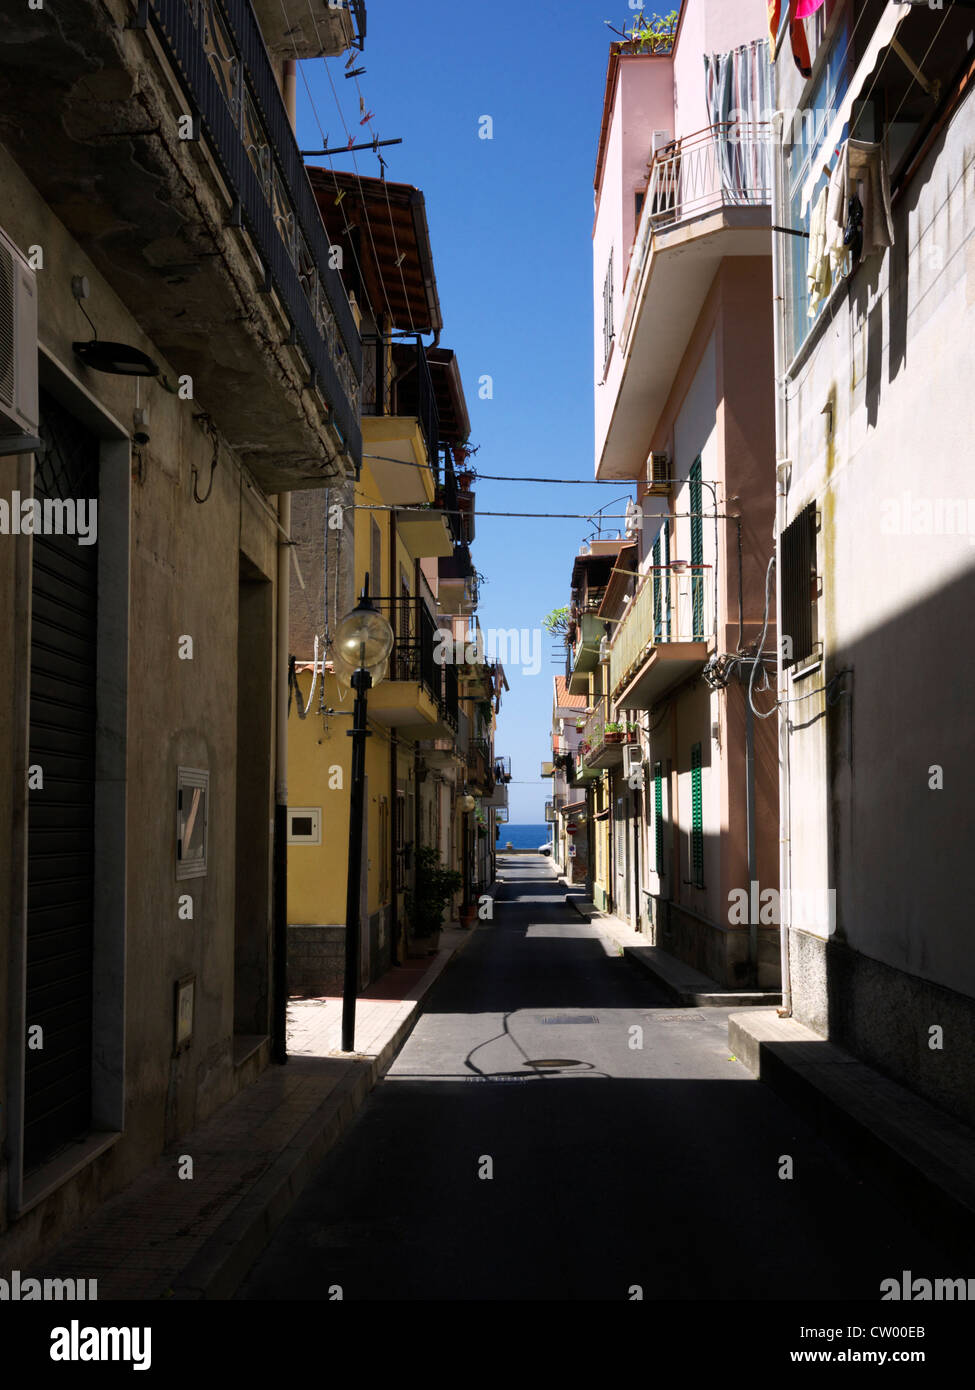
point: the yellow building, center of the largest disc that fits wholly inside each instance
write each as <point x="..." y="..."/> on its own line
<point x="404" y="526"/>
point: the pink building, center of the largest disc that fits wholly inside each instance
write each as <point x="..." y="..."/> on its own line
<point x="684" y="406"/>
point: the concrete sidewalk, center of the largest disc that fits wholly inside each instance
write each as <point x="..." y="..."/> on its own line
<point x="685" y="985"/>
<point x="165" y="1236"/>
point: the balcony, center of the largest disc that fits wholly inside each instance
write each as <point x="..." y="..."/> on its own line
<point x="214" y="243"/>
<point x="708" y="196"/>
<point x="502" y="769"/>
<point x="548" y="769"/>
<point x="480" y="774"/>
<point x="457" y="582"/>
<point x="582" y="653"/>
<point x="604" y="739"/>
<point x="418" y="698"/>
<point x="311" y="28"/>
<point x="401" y="424"/>
<point x="665" y="636"/>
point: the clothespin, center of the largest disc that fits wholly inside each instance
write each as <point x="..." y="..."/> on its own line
<point x="400" y="259"/>
<point x="340" y="197"/>
<point x="367" y="117"/>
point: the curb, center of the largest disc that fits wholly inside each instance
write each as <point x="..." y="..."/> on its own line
<point x="681" y="983"/>
<point x="908" y="1146"/>
<point x="218" y="1269"/>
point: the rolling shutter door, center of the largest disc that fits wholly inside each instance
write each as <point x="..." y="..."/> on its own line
<point x="61" y="814"/>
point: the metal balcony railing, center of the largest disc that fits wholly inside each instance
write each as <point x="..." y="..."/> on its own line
<point x="671" y="604"/>
<point x="502" y="769"/>
<point x="396" y="380"/>
<point x="727" y="165"/>
<point x="218" y="53"/>
<point x="413" y="655"/>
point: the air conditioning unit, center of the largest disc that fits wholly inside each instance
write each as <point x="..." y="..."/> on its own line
<point x="658" y="473"/>
<point x="18" y="352"/>
<point x="632" y="759"/>
<point x="660" y="140"/>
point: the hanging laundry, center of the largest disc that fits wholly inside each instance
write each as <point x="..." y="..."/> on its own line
<point x="859" y="220"/>
<point x="819" y="271"/>
<point x="797" y="32"/>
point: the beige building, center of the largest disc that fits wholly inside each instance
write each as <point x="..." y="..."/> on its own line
<point x="155" y="219"/>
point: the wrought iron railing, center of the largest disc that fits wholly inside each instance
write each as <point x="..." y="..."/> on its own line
<point x="218" y="52"/>
<point x="397" y="381"/>
<point x="671" y="604"/>
<point x="502" y="769"/>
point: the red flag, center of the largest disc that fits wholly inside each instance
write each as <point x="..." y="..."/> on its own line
<point x="774" y="13"/>
<point x="797" y="33"/>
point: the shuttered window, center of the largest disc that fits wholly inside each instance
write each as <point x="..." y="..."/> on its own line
<point x="697" y="548"/>
<point x="656" y="580"/>
<point x="697" y="819"/>
<point x="798" y="559"/>
<point x="658" y="817"/>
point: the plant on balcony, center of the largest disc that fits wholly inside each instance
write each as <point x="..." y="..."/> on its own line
<point x="463" y="452"/>
<point x="650" y="35"/>
<point x="434" y="888"/>
<point x="632" y="731"/>
<point x="557" y="623"/>
<point x="613" y="732"/>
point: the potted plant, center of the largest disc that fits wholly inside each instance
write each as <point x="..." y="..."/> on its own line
<point x="613" y="732"/>
<point x="434" y="887"/>
<point x="465" y="474"/>
<point x="632" y="732"/>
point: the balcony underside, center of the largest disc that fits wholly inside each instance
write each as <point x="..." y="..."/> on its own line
<point x="667" y="666"/>
<point x="426" y="534"/>
<point x="394" y="448"/>
<point x="407" y="707"/>
<point x="678" y="274"/>
<point x="609" y="755"/>
<point x="91" y="116"/>
<point x="304" y="28"/>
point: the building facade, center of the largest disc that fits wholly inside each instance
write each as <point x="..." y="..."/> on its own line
<point x="681" y="764"/>
<point x="875" y="338"/>
<point x="156" y="225"/>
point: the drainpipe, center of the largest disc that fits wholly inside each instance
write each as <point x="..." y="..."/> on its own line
<point x="750" y="827"/>
<point x="279" y="951"/>
<point x="783" y="469"/>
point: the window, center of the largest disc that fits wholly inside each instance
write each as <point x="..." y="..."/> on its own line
<point x="809" y="128"/>
<point x="608" y="330"/>
<point x="697" y="820"/>
<point x="697" y="548"/>
<point x="192" y="797"/>
<point x="658" y="817"/>
<point x="304" y="825"/>
<point x="376" y="585"/>
<point x="798" y="560"/>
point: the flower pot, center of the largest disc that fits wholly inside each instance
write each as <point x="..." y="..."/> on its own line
<point x="613" y="737"/>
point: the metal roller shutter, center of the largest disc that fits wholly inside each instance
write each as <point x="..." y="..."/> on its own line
<point x="61" y="814"/>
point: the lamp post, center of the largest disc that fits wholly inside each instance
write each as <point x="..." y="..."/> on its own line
<point x="363" y="642"/>
<point x="466" y="805"/>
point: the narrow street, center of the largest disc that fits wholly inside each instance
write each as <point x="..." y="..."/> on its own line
<point x="620" y="1166"/>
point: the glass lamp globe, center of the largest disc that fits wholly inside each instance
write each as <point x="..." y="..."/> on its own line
<point x="467" y="803"/>
<point x="363" y="639"/>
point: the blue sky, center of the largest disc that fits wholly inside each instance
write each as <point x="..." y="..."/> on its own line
<point x="511" y="225"/>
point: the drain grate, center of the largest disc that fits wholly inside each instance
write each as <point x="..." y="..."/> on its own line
<point x="570" y="1018"/>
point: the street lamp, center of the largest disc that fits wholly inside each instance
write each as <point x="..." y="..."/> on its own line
<point x="363" y="642"/>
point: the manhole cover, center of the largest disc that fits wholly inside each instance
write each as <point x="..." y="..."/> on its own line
<point x="570" y="1018"/>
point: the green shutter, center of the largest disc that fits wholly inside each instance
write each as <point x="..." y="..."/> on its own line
<point x="655" y="581"/>
<point x="697" y="819"/>
<point x="697" y="548"/>
<point x="666" y="535"/>
<point x="658" y="816"/>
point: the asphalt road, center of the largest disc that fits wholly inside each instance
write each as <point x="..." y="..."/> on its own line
<point x="611" y="1165"/>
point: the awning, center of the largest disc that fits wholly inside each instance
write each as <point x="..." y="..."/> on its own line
<point x="886" y="28"/>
